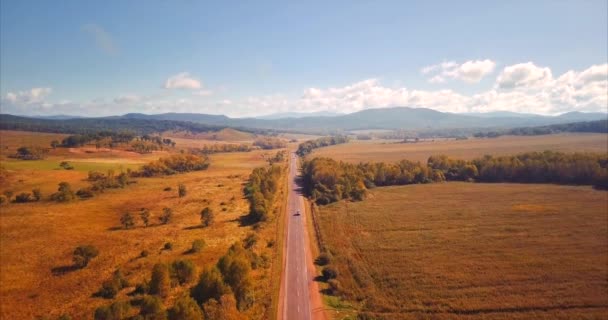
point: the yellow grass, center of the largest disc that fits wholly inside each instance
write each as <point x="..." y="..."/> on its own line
<point x="390" y="151"/>
<point x="38" y="237"/>
<point x="473" y="251"/>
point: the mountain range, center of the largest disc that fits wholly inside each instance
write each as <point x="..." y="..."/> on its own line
<point x="381" y="118"/>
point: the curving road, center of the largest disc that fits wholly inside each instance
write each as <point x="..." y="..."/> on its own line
<point x="299" y="298"/>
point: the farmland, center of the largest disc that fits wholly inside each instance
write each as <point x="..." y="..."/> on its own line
<point x="470" y="251"/>
<point x="392" y="151"/>
<point x="38" y="238"/>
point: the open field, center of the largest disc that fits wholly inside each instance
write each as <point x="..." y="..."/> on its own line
<point x="472" y="251"/>
<point x="38" y="238"/>
<point x="389" y="151"/>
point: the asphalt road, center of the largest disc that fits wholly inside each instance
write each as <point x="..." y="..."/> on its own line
<point x="296" y="299"/>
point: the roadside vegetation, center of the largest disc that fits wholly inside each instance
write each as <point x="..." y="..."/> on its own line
<point x="308" y="146"/>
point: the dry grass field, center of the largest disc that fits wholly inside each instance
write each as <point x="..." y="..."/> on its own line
<point x="472" y="251"/>
<point x="39" y="237"/>
<point x="389" y="151"/>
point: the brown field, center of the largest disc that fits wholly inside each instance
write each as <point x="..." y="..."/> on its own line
<point x="472" y="251"/>
<point x="38" y="238"/>
<point x="375" y="150"/>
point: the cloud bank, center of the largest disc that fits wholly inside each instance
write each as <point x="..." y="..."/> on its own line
<point x="523" y="87"/>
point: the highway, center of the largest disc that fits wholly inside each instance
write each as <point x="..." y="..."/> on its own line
<point x="298" y="291"/>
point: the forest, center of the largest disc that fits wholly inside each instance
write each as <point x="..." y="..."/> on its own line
<point x="261" y="190"/>
<point x="326" y="180"/>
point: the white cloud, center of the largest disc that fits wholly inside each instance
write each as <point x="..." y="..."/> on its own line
<point x="32" y="96"/>
<point x="534" y="91"/>
<point x="523" y="75"/>
<point x="470" y="71"/>
<point x="203" y="93"/>
<point x="102" y="38"/>
<point x="183" y="80"/>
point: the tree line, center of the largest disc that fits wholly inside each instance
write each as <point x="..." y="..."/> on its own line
<point x="176" y="163"/>
<point x="268" y="143"/>
<point x="261" y="191"/>
<point x="326" y="180"/>
<point x="600" y="126"/>
<point x="221" y="148"/>
<point x="307" y="146"/>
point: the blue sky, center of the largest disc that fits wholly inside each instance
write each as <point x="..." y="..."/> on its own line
<point x="259" y="57"/>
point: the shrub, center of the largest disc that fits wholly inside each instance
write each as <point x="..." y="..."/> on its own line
<point x="207" y="217"/>
<point x="183" y="271"/>
<point x="181" y="190"/>
<point x="152" y="308"/>
<point x="142" y="288"/>
<point x="168" y="246"/>
<point x="127" y="220"/>
<point x="66" y="165"/>
<point x="85" y="193"/>
<point x="185" y="308"/>
<point x="329" y="273"/>
<point x="167" y="189"/>
<point x="144" y="253"/>
<point x="83" y="255"/>
<point x="160" y="283"/>
<point x="166" y="216"/>
<point x="250" y="240"/>
<point x="23" y="197"/>
<point x="198" y="245"/>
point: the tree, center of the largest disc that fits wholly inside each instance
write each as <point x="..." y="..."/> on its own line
<point x="185" y="308"/>
<point x="116" y="311"/>
<point x="144" y="214"/>
<point x="152" y="308"/>
<point x="166" y="216"/>
<point x="127" y="220"/>
<point x="181" y="190"/>
<point x="210" y="286"/>
<point x="329" y="273"/>
<point x="160" y="284"/>
<point x="36" y="194"/>
<point x="83" y="255"/>
<point x="225" y="309"/>
<point x="207" y="217"/>
<point x="64" y="193"/>
<point x="23" y="197"/>
<point x="184" y="271"/>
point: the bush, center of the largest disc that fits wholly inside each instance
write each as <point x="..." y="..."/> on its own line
<point x="250" y="240"/>
<point x="66" y="165"/>
<point x="142" y="288"/>
<point x="144" y="214"/>
<point x="334" y="286"/>
<point x="181" y="190"/>
<point x="160" y="283"/>
<point x="152" y="308"/>
<point x="144" y="253"/>
<point x="210" y="286"/>
<point x="85" y="193"/>
<point x="198" y="245"/>
<point x="23" y="197"/>
<point x="83" y="255"/>
<point x="111" y="287"/>
<point x="167" y="189"/>
<point x="207" y="217"/>
<point x="329" y="273"/>
<point x="127" y="220"/>
<point x="185" y="308"/>
<point x="323" y="259"/>
<point x="168" y="246"/>
<point x="166" y="216"/>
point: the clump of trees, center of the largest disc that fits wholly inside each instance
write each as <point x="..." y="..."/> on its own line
<point x="223" y="147"/>
<point x="177" y="163"/>
<point x="307" y="147"/>
<point x="83" y="254"/>
<point x="24" y="197"/>
<point x="261" y="191"/>
<point x="279" y="157"/>
<point x="30" y="153"/>
<point x="268" y="143"/>
<point x="100" y="138"/>
<point x="64" y="193"/>
<point x="110" y="180"/>
<point x="207" y="217"/>
<point x="111" y="287"/>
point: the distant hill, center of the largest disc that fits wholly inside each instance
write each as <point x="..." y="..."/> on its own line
<point x="599" y="126"/>
<point x="298" y="115"/>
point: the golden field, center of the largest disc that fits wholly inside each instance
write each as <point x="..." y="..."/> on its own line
<point x="471" y="251"/>
<point x="37" y="238"/>
<point x="392" y="151"/>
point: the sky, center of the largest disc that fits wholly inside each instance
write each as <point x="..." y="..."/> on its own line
<point x="251" y="58"/>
